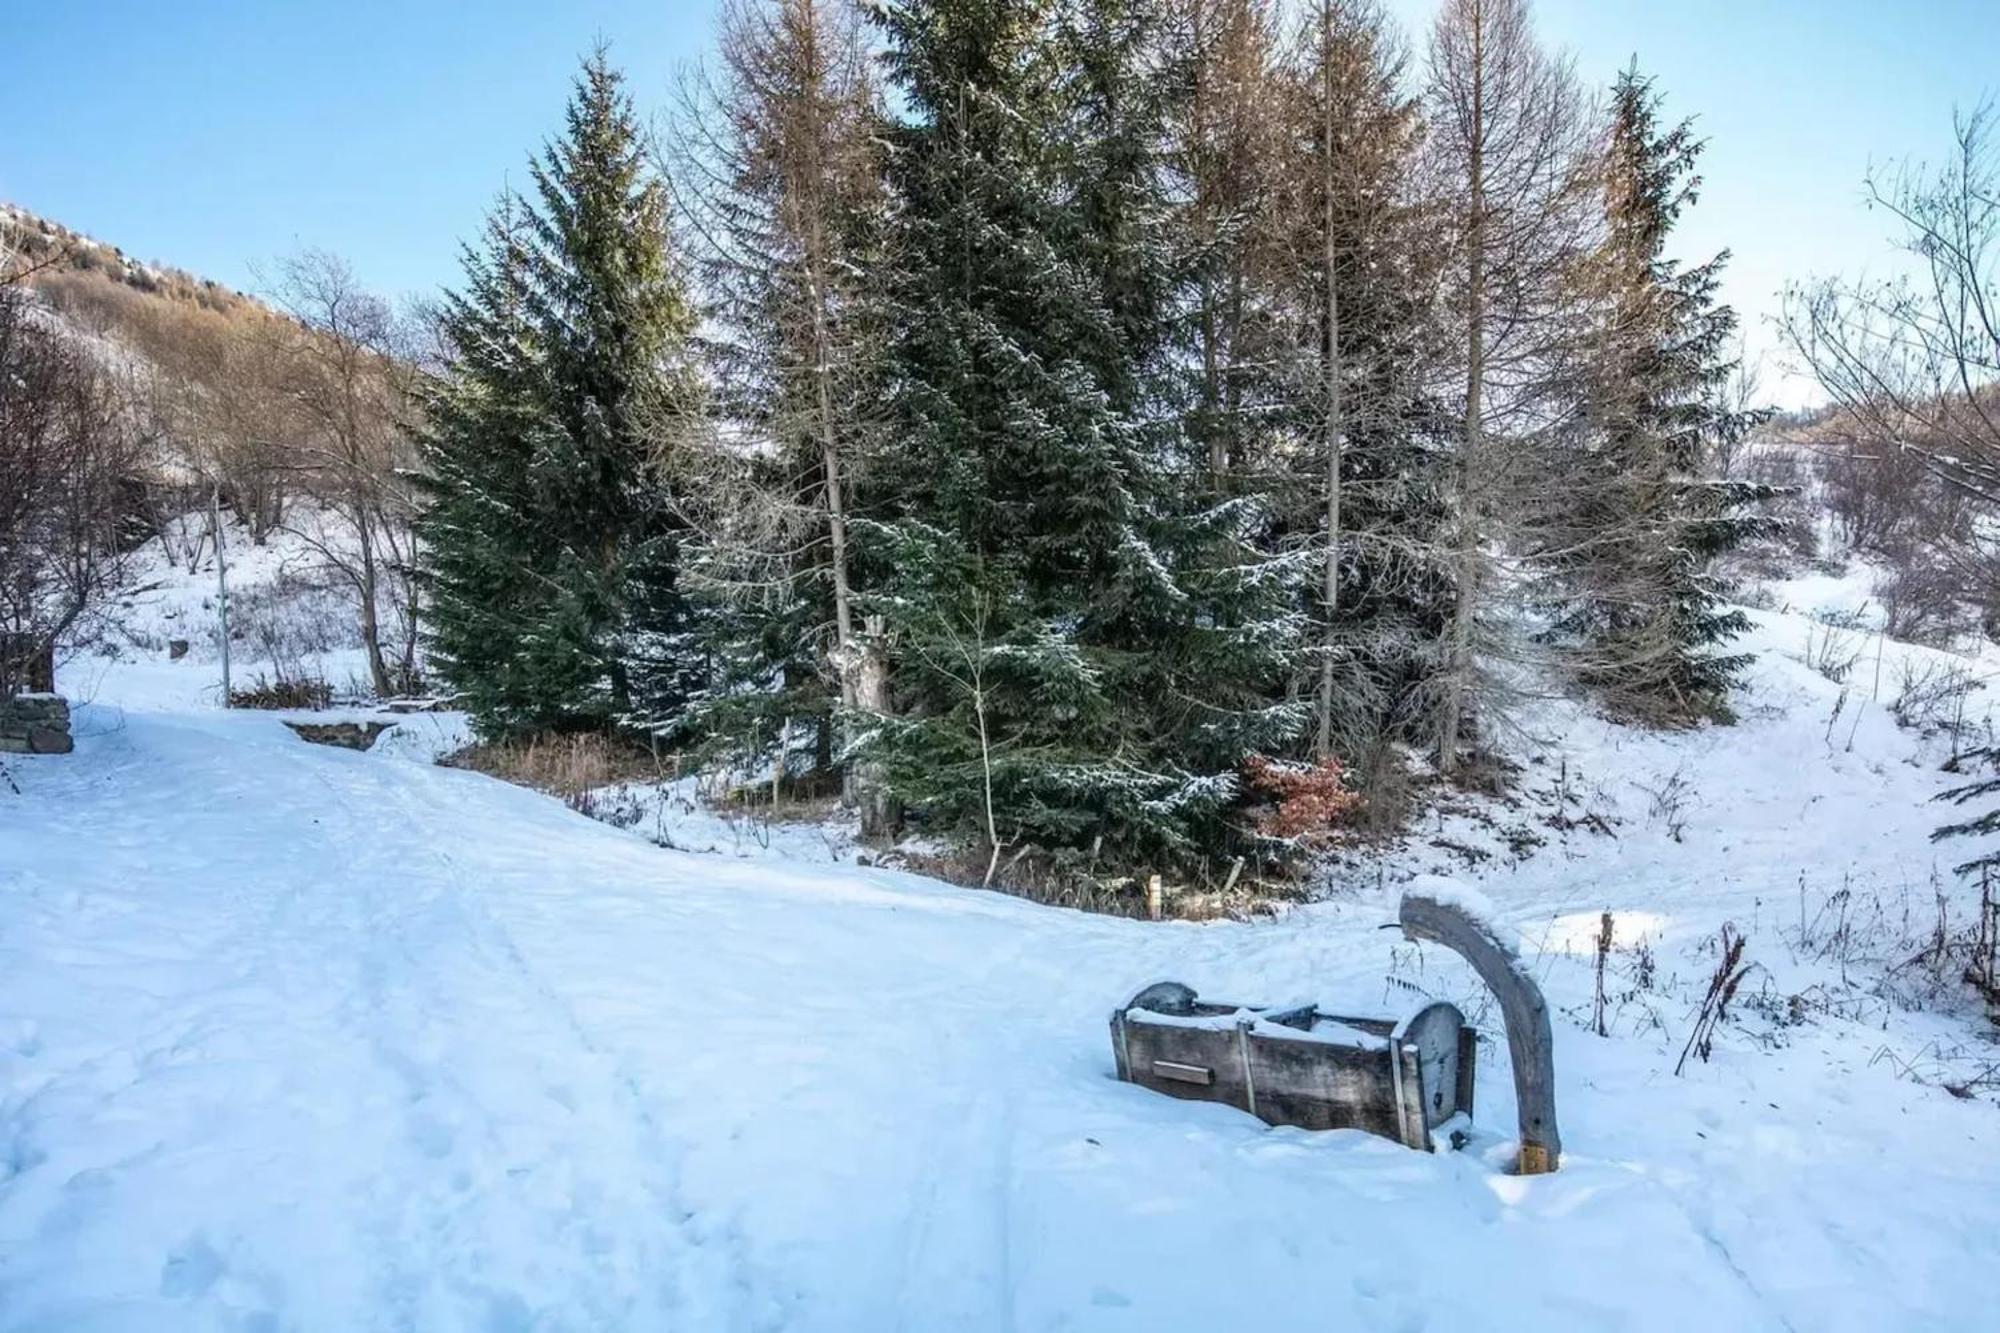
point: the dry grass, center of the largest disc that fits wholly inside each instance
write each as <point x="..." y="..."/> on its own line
<point x="1056" y="882"/>
<point x="580" y="769"/>
<point x="284" y="692"/>
<point x="87" y="270"/>
<point x="569" y="766"/>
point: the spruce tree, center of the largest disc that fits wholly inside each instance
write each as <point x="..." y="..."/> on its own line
<point x="1638" y="520"/>
<point x="485" y="423"/>
<point x="552" y="552"/>
<point x="1078" y="666"/>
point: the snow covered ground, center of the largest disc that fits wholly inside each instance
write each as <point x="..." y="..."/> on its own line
<point x="294" y="1038"/>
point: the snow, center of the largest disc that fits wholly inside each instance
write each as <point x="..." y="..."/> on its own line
<point x="282" y="599"/>
<point x="1448" y="892"/>
<point x="691" y="814"/>
<point x="299" y="1038"/>
<point x="1578" y="932"/>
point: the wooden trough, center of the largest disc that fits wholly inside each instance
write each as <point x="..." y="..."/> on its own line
<point x="1404" y="1080"/>
<point x="1298" y="1066"/>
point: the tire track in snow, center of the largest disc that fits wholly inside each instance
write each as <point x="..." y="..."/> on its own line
<point x="473" y="1147"/>
<point x="973" y="1131"/>
<point x="426" y="946"/>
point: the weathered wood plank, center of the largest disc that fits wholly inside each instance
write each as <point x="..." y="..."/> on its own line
<point x="1297" y="1066"/>
<point x="1530" y="1043"/>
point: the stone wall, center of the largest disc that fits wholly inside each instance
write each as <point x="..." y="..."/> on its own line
<point x="35" y="724"/>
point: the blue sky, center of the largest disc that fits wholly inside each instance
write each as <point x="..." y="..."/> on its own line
<point x="217" y="136"/>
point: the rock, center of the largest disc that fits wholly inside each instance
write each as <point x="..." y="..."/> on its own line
<point x="50" y="740"/>
<point x="35" y="724"/>
<point x="416" y="705"/>
<point x="176" y="649"/>
<point x="346" y="735"/>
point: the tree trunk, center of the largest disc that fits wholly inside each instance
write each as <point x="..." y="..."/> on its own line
<point x="848" y="658"/>
<point x="1211" y="388"/>
<point x="1458" y="668"/>
<point x="879" y="815"/>
<point x="371" y="630"/>
<point x="1335" y="423"/>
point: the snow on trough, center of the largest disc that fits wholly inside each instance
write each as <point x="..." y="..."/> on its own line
<point x="300" y="1038"/>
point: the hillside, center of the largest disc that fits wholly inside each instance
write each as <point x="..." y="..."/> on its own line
<point x="68" y="261"/>
<point x="303" y="1038"/>
<point x="291" y="419"/>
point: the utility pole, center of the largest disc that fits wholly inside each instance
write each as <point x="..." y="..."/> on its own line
<point x="221" y="583"/>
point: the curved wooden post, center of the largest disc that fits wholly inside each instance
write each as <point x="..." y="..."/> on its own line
<point x="1530" y="1046"/>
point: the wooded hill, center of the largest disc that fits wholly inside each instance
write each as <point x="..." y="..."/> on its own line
<point x="187" y="397"/>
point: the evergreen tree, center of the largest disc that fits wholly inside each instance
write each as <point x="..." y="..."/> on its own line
<point x="552" y="555"/>
<point x="1078" y="665"/>
<point x="485" y="423"/>
<point x="1639" y="523"/>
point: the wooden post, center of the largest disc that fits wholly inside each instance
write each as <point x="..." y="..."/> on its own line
<point x="1530" y="1044"/>
<point x="221" y="587"/>
<point x="1154" y="902"/>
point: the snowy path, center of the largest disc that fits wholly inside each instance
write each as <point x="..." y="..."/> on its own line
<point x="293" y="1038"/>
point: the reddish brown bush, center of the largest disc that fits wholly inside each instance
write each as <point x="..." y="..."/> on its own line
<point x="1308" y="802"/>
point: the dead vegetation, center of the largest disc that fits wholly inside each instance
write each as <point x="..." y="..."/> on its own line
<point x="58" y="254"/>
<point x="1728" y="977"/>
<point x="303" y="692"/>
<point x="573" y="767"/>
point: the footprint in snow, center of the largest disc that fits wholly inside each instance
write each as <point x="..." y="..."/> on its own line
<point x="191" y="1269"/>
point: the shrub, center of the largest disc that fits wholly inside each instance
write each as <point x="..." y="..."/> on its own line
<point x="307" y="692"/>
<point x="568" y="765"/>
<point x="1308" y="803"/>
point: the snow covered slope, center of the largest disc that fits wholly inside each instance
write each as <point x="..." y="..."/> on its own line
<point x="297" y="1038"/>
<point x="291" y="617"/>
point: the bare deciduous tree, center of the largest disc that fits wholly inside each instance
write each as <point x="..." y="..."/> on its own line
<point x="1228" y="138"/>
<point x="1509" y="130"/>
<point x="1911" y="458"/>
<point x="67" y="448"/>
<point x="1912" y="362"/>
<point x="350" y="381"/>
<point x="778" y="168"/>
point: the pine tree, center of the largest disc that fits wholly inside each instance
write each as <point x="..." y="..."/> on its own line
<point x="552" y="556"/>
<point x="1639" y="522"/>
<point x="485" y="423"/>
<point x="1077" y="667"/>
